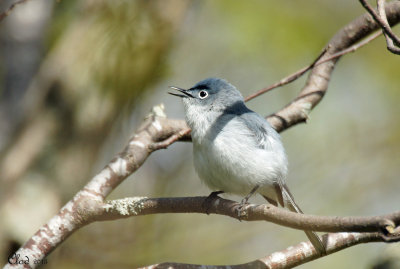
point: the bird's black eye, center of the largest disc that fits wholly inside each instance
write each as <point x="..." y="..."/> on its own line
<point x="203" y="94"/>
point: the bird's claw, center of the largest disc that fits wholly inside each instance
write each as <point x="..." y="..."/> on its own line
<point x="209" y="200"/>
<point x="241" y="211"/>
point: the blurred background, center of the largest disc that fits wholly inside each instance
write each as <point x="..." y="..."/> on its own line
<point x="77" y="78"/>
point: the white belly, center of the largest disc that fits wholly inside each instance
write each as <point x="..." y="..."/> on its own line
<point x="234" y="164"/>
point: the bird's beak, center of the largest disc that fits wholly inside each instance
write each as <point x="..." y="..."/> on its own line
<point x="185" y="93"/>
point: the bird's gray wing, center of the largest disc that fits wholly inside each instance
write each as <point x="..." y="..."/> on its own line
<point x="266" y="137"/>
<point x="260" y="130"/>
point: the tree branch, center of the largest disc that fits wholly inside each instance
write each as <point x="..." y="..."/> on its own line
<point x="389" y="41"/>
<point x="287" y="79"/>
<point x="290" y="257"/>
<point x="317" y="61"/>
<point x="157" y="132"/>
<point x="86" y="203"/>
<point x="10" y="8"/>
<point x="317" y="83"/>
<point x="381" y="19"/>
<point x="386" y="225"/>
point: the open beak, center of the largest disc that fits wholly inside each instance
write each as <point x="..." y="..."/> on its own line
<point x="185" y="93"/>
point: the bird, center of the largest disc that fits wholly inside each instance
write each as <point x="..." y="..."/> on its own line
<point x="235" y="150"/>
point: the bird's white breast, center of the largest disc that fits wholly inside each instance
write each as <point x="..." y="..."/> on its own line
<point x="227" y="157"/>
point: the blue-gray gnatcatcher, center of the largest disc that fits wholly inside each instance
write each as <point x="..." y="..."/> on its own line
<point x="235" y="149"/>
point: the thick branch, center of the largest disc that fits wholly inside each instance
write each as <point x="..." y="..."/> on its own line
<point x="290" y="257"/>
<point x="387" y="225"/>
<point x="86" y="203"/>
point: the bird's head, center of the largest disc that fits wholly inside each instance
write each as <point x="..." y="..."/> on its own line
<point x="211" y="94"/>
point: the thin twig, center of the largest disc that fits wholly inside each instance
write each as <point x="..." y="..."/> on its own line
<point x="316" y="62"/>
<point x="10" y="8"/>
<point x="351" y="49"/>
<point x="382" y="13"/>
<point x="287" y="79"/>
<point x="382" y="23"/>
<point x="173" y="138"/>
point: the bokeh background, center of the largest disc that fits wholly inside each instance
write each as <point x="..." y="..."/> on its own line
<point x="77" y="78"/>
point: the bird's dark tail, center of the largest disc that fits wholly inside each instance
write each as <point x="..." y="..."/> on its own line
<point x="285" y="197"/>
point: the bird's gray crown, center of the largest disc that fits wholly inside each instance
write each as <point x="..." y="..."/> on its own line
<point x="217" y="87"/>
<point x="213" y="93"/>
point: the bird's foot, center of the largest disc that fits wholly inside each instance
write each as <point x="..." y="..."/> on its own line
<point x="208" y="202"/>
<point x="241" y="208"/>
<point x="241" y="212"/>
